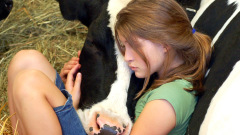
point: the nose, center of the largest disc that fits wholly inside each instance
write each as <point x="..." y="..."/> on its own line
<point x="128" y="55"/>
<point x="9" y="4"/>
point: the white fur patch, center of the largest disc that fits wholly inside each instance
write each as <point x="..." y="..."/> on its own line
<point x="204" y="5"/>
<point x="223" y="114"/>
<point x="115" y="104"/>
<point x="191" y="10"/>
<point x="237" y="2"/>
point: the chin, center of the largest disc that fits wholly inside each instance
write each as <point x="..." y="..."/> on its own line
<point x="138" y="75"/>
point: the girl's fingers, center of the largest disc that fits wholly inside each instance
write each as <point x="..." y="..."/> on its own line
<point x="79" y="52"/>
<point x="70" y="63"/>
<point x="75" y="69"/>
<point x="67" y="68"/>
<point x="71" y="77"/>
<point x="78" y="80"/>
<point x="76" y="94"/>
<point x="69" y="82"/>
<point x="74" y="59"/>
<point x="66" y="72"/>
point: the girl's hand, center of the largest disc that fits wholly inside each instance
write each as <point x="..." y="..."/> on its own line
<point x="68" y="66"/>
<point x="102" y="124"/>
<point x="73" y="84"/>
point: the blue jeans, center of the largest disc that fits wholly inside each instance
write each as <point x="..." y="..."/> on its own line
<point x="67" y="115"/>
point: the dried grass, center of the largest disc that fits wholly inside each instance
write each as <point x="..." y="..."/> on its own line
<point x="37" y="24"/>
<point x="5" y="125"/>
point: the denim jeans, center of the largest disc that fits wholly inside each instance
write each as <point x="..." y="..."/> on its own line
<point x="67" y="115"/>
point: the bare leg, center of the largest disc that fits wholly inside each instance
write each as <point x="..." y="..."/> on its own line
<point x="32" y="93"/>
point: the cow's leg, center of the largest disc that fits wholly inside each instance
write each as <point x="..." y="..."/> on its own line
<point x="31" y="90"/>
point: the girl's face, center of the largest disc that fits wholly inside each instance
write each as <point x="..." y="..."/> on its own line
<point x="155" y="54"/>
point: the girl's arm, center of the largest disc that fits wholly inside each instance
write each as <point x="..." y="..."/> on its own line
<point x="157" y="118"/>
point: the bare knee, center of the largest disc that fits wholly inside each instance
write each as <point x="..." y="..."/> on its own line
<point x="21" y="61"/>
<point x="32" y="85"/>
<point x="24" y="59"/>
<point x="24" y="86"/>
<point x="29" y="59"/>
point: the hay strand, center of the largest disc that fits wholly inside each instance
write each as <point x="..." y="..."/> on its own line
<point x="2" y="109"/>
<point x="15" y="131"/>
<point x="3" y="126"/>
<point x="6" y="128"/>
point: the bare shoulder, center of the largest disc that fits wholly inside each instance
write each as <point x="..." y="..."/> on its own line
<point x="157" y="117"/>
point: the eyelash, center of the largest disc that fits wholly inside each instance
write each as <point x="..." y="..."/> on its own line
<point x="122" y="46"/>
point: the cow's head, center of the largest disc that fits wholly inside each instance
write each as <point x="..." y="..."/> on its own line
<point x="83" y="10"/>
<point x="98" y="58"/>
<point x="5" y="8"/>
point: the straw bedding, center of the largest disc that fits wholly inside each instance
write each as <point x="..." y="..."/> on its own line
<point x="36" y="24"/>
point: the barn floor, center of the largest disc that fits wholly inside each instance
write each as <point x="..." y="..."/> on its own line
<point x="36" y="24"/>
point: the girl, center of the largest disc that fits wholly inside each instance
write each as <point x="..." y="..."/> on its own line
<point x="155" y="36"/>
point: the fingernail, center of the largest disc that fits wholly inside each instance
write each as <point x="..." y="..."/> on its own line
<point x="78" y="74"/>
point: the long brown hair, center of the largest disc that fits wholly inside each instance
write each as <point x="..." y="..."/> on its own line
<point x="165" y="22"/>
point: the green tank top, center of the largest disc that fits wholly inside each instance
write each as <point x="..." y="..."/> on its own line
<point x="182" y="101"/>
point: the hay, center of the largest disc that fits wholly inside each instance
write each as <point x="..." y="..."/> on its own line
<point x="37" y="24"/>
<point x="5" y="125"/>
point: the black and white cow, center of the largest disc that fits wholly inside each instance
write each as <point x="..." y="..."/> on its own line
<point x="217" y="111"/>
<point x="5" y="8"/>
<point x="106" y="77"/>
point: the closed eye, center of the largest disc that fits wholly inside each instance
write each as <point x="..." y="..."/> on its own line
<point x="122" y="46"/>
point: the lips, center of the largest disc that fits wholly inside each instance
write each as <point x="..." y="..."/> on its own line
<point x="133" y="68"/>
